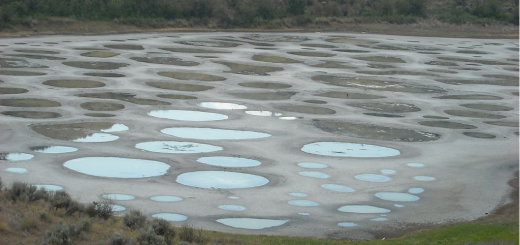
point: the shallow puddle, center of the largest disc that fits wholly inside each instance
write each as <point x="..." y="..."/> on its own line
<point x="394" y="72"/>
<point x="193" y="50"/>
<point x="29" y="103"/>
<point x="376" y="84"/>
<point x="333" y="65"/>
<point x="222" y="106"/>
<point x="424" y="178"/>
<point x="303" y="203"/>
<point x="436" y="117"/>
<point x="446" y="124"/>
<point x="21" y="73"/>
<point x="382" y="114"/>
<point x="341" y="149"/>
<point x="128" y="97"/>
<point x="416" y="190"/>
<point x="53" y="149"/>
<point x="183" y="115"/>
<point x="229" y="162"/>
<point x="116" y="167"/>
<point x="35" y="56"/>
<point x="263" y="113"/>
<point x="319" y="102"/>
<point x="176" y="147"/>
<point x="513" y="124"/>
<point x="363" y="209"/>
<point x="388" y="172"/>
<point x="95" y="65"/>
<point x="166" y="199"/>
<point x="274" y="59"/>
<point x="375" y="132"/>
<point x="481" y="82"/>
<point x="483" y="62"/>
<point x="488" y="107"/>
<point x="118" y="197"/>
<point x="216" y="44"/>
<point x="305" y="109"/>
<point x="124" y="46"/>
<point x="99" y="54"/>
<point x="473" y="114"/>
<point x="347" y="224"/>
<point x="338" y="188"/>
<point x="479" y="135"/>
<point x="397" y="196"/>
<point x="415" y="165"/>
<point x="317" y="45"/>
<point x="296" y="194"/>
<point x="349" y="95"/>
<point x="373" y="177"/>
<point x="351" y="50"/>
<point x="165" y="61"/>
<point x="350" y="40"/>
<point x="49" y="187"/>
<point x="379" y="219"/>
<point x="103" y="74"/>
<point x="387" y="107"/>
<point x="249" y="69"/>
<point x="275" y="38"/>
<point x="32" y="114"/>
<point x="232" y="207"/>
<point x="170" y="217"/>
<point x="313" y="174"/>
<point x="265" y="85"/>
<point x="101" y="106"/>
<point x="15" y="156"/>
<point x="213" y="133"/>
<point x="67" y="83"/>
<point x="176" y="96"/>
<point x="179" y="86"/>
<point x="312" y="54"/>
<point x="312" y="165"/>
<point x="384" y="59"/>
<point x="36" y="51"/>
<point x="80" y="132"/>
<point x="469" y="97"/>
<point x="441" y="63"/>
<point x="16" y="170"/>
<point x="251" y="223"/>
<point x="221" y="180"/>
<point x="265" y="95"/>
<point x="192" y="76"/>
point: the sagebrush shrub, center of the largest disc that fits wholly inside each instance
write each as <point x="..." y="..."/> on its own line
<point x="134" y="219"/>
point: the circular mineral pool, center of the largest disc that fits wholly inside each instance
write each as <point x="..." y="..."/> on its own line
<point x="338" y="188"/>
<point x="50" y="187"/>
<point x="170" y="217"/>
<point x="229" y="162"/>
<point x="313" y="174"/>
<point x="234" y="198"/>
<point x="251" y="223"/>
<point x="416" y="190"/>
<point x="221" y="180"/>
<point x="398" y="205"/>
<point x="373" y="177"/>
<point x="312" y="165"/>
<point x="118" y="197"/>
<point x="397" y="196"/>
<point x="16" y="170"/>
<point x="177" y="147"/>
<point x="388" y="171"/>
<point x="15" y="156"/>
<point x="166" y="199"/>
<point x="97" y="138"/>
<point x="222" y="106"/>
<point x="116" y="167"/>
<point x="340" y="149"/>
<point x="304" y="214"/>
<point x="363" y="209"/>
<point x="303" y="203"/>
<point x="118" y="208"/>
<point x="213" y="133"/>
<point x="264" y="113"/>
<point x="415" y="165"/>
<point x="232" y="207"/>
<point x="379" y="219"/>
<point x="424" y="178"/>
<point x="54" y="149"/>
<point x="190" y="116"/>
<point x="118" y="127"/>
<point x="296" y="194"/>
<point x="347" y="224"/>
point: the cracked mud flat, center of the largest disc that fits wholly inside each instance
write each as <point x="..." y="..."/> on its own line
<point x="434" y="126"/>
